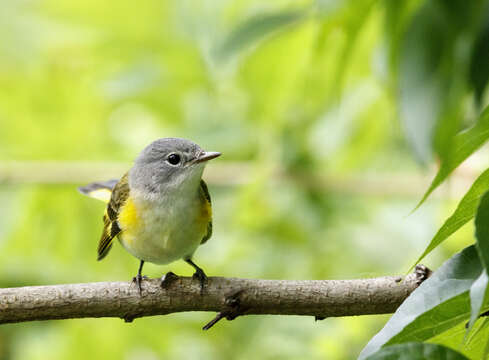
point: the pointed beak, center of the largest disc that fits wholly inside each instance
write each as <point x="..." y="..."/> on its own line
<point x="206" y="156"/>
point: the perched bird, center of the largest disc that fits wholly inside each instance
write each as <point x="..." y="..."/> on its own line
<point x="160" y="210"/>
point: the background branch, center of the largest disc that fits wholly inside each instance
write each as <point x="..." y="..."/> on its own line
<point x="230" y="297"/>
<point x="239" y="173"/>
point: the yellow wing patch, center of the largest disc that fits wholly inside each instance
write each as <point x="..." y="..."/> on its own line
<point x="106" y="239"/>
<point x="114" y="193"/>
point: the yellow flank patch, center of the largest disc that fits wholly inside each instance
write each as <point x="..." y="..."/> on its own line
<point x="101" y="194"/>
<point x="128" y="218"/>
<point x="205" y="212"/>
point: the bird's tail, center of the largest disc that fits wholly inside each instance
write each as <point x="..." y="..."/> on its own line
<point x="99" y="190"/>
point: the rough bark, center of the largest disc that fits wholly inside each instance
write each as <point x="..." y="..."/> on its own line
<point x="230" y="297"/>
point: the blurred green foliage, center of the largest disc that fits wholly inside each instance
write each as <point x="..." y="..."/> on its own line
<point x="303" y="88"/>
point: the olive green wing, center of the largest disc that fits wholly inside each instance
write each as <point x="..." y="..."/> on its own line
<point x="119" y="195"/>
<point x="204" y="191"/>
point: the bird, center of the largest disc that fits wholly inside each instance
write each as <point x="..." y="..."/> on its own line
<point x="160" y="210"/>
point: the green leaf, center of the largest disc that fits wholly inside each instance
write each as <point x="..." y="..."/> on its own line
<point x="440" y="302"/>
<point x="417" y="351"/>
<point x="479" y="291"/>
<point x="480" y="331"/>
<point x="478" y="296"/>
<point x="254" y="29"/>
<point x="422" y="87"/>
<point x="482" y="230"/>
<point x="479" y="69"/>
<point x="431" y="74"/>
<point x="486" y="350"/>
<point x="464" y="144"/>
<point x="471" y="345"/>
<point x="464" y="212"/>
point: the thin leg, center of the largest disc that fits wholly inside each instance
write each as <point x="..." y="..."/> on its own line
<point x="138" y="279"/>
<point x="199" y="273"/>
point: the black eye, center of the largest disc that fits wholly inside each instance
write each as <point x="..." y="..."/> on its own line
<point x="173" y="159"/>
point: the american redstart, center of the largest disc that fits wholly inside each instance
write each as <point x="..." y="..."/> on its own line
<point x="160" y="210"/>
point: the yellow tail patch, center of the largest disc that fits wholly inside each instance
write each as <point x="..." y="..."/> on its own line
<point x="99" y="190"/>
<point x="100" y="194"/>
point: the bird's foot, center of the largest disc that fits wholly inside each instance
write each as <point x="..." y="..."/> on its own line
<point x="168" y="279"/>
<point x="198" y="275"/>
<point x="138" y="280"/>
<point x="201" y="276"/>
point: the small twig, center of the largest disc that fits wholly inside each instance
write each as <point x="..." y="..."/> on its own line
<point x="234" y="309"/>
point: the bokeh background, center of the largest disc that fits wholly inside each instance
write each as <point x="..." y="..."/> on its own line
<point x="325" y="112"/>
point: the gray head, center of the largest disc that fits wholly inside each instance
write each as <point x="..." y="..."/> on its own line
<point x="169" y="165"/>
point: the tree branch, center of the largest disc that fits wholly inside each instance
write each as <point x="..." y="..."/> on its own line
<point x="230" y="297"/>
<point x="238" y="173"/>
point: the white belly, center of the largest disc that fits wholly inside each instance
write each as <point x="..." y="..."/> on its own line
<point x="166" y="232"/>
